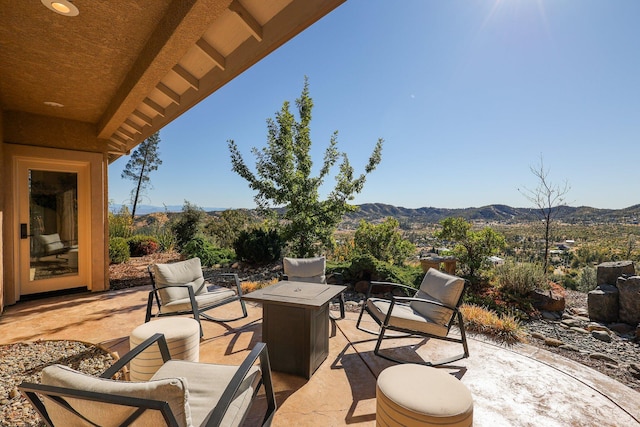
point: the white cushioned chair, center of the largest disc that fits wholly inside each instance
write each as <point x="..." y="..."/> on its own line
<point x="180" y="288"/>
<point x="181" y="393"/>
<point x="430" y="312"/>
<point x="52" y="244"/>
<point x="310" y="270"/>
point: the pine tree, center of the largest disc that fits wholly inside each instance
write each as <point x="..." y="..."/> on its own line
<point x="143" y="161"/>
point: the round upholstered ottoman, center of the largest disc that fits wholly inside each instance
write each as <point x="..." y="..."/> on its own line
<point x="417" y="395"/>
<point x="183" y="339"/>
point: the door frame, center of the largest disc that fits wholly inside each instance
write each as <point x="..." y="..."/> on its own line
<point x="23" y="165"/>
<point x="98" y="265"/>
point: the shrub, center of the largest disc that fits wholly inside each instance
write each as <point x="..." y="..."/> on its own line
<point x="520" y="278"/>
<point x="209" y="254"/>
<point x="258" y="246"/>
<point x="367" y="267"/>
<point x="588" y="279"/>
<point x="384" y="241"/>
<point x="141" y="245"/>
<point x="120" y="224"/>
<point x="118" y="250"/>
<point x="166" y="239"/>
<point x="188" y="224"/>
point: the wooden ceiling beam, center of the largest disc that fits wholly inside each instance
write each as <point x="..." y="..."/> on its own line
<point x="186" y="76"/>
<point x="169" y="93"/>
<point x="212" y="53"/>
<point x="250" y="22"/>
<point x="154" y="106"/>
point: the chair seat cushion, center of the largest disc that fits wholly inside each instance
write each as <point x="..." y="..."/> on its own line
<point x="214" y="295"/>
<point x="206" y="383"/>
<point x="405" y="317"/>
<point x="170" y="389"/>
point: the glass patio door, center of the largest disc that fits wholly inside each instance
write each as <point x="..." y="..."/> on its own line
<point x="51" y="216"/>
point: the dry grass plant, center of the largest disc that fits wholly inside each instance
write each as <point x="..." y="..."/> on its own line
<point x="250" y="286"/>
<point x="505" y="329"/>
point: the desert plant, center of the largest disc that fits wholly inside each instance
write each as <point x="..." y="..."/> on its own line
<point x="588" y="279"/>
<point x="258" y="246"/>
<point x="503" y="328"/>
<point x="118" y="250"/>
<point x="141" y="245"/>
<point x="120" y="223"/>
<point x="209" y="254"/>
<point x="519" y="278"/>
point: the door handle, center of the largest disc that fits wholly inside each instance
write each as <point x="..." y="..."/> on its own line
<point x="23" y="231"/>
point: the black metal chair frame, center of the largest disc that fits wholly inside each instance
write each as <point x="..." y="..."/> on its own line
<point x="456" y="316"/>
<point x="57" y="394"/>
<point x="196" y="311"/>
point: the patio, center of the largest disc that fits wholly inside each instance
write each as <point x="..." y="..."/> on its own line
<point x="518" y="386"/>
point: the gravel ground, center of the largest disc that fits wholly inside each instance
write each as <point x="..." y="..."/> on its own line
<point x="618" y="359"/>
<point x="25" y="361"/>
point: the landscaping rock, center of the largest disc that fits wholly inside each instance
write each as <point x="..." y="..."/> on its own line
<point x="601" y="335"/>
<point x="552" y="342"/>
<point x="629" y="299"/>
<point x="601" y="356"/>
<point x="548" y="300"/>
<point x="608" y="272"/>
<point x="621" y="328"/>
<point x="602" y="304"/>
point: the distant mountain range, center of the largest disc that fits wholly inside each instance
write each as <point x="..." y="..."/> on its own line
<point x="147" y="209"/>
<point x="496" y="213"/>
<point x="491" y="213"/>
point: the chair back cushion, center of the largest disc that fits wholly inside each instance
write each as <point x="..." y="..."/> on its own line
<point x="187" y="272"/>
<point x="170" y="390"/>
<point x="51" y="242"/>
<point x="305" y="269"/>
<point x="440" y="287"/>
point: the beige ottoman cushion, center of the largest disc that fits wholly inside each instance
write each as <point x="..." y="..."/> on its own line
<point x="417" y="395"/>
<point x="183" y="339"/>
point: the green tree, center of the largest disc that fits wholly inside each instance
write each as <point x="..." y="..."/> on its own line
<point x="473" y="248"/>
<point x="144" y="160"/>
<point x="384" y="241"/>
<point x="188" y="225"/>
<point x="227" y="226"/>
<point x="283" y="179"/>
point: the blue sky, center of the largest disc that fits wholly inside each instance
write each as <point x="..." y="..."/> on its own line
<point x="467" y="94"/>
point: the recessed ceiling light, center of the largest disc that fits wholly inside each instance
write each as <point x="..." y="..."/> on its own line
<point x="63" y="7"/>
<point x="53" y="104"/>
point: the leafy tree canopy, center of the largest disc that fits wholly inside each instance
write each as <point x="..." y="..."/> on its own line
<point x="283" y="178"/>
<point x="473" y="248"/>
<point x="384" y="241"/>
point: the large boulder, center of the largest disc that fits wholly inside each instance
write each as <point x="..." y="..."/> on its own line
<point x="549" y="300"/>
<point x="608" y="272"/>
<point x="629" y="299"/>
<point x="603" y="304"/>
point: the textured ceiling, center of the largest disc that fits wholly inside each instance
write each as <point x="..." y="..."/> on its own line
<point x="130" y="67"/>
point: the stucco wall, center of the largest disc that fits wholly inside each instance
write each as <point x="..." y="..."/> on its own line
<point x="2" y="193"/>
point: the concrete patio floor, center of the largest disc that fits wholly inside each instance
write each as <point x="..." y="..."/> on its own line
<point x="515" y="386"/>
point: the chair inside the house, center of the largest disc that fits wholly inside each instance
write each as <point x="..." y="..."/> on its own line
<point x="180" y="393"/>
<point x="430" y="312"/>
<point x="311" y="270"/>
<point x="180" y="288"/>
<point x="52" y="244"/>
